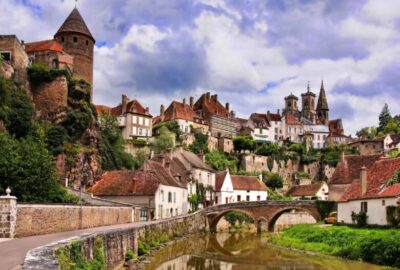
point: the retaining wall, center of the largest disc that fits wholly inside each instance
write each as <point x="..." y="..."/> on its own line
<point x="36" y="219"/>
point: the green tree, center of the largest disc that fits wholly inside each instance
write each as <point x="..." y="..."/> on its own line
<point x="165" y="140"/>
<point x="28" y="169"/>
<point x="272" y="180"/>
<point x="384" y="117"/>
<point x="219" y="161"/>
<point x="269" y="150"/>
<point x="56" y="137"/>
<point x="171" y="126"/>
<point x="367" y="132"/>
<point x="391" y="127"/>
<point x="200" y="144"/>
<point x="243" y="143"/>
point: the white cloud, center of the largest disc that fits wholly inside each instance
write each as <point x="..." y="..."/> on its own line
<point x="145" y="37"/>
<point x="385" y="11"/>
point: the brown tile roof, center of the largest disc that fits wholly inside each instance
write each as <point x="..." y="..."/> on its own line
<point x="336" y="128"/>
<point x="306" y="190"/>
<point x="75" y="24"/>
<point x="101" y="109"/>
<point x="377" y="177"/>
<point x="241" y="182"/>
<point x="164" y="176"/>
<point x="260" y="120"/>
<point x="292" y="120"/>
<point x="177" y="169"/>
<point x="219" y="180"/>
<point x="195" y="161"/>
<point x="133" y="106"/>
<point x="210" y="105"/>
<point x="123" y="183"/>
<point x="274" y="117"/>
<point x="176" y="110"/>
<point x="349" y="169"/>
<point x="45" y="45"/>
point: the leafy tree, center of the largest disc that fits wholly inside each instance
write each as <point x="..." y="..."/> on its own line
<point x="165" y="140"/>
<point x="77" y="121"/>
<point x="272" y="180"/>
<point x="219" y="161"/>
<point x="275" y="196"/>
<point x="28" y="169"/>
<point x="56" y="136"/>
<point x="243" y="143"/>
<point x="200" y="144"/>
<point x="269" y="149"/>
<point x="392" y="127"/>
<point x="241" y="218"/>
<point x="384" y="117"/>
<point x="367" y="132"/>
<point x="171" y="126"/>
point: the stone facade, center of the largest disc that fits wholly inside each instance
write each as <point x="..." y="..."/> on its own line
<point x="292" y="218"/>
<point x="50" y="97"/>
<point x="36" y="219"/>
<point x="8" y="214"/>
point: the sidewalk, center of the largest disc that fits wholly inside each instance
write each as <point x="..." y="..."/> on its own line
<point x="12" y="252"/>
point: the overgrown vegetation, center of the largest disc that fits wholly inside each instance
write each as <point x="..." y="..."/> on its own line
<point x="39" y="73"/>
<point x="272" y="180"/>
<point x="359" y="218"/>
<point x="244" y="143"/>
<point x="372" y="245"/>
<point x="324" y="208"/>
<point x="238" y="218"/>
<point x="165" y="140"/>
<point x="172" y="126"/>
<point x="200" y="145"/>
<point x="393" y="215"/>
<point x="71" y="256"/>
<point x="220" y="161"/>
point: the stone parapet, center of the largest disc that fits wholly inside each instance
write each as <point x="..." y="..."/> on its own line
<point x="8" y="216"/>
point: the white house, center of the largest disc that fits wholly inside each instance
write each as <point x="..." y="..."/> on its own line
<point x="391" y="142"/>
<point x="372" y="193"/>
<point x="237" y="188"/>
<point x="319" y="191"/>
<point x="319" y="135"/>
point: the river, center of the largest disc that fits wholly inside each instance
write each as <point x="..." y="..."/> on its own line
<point x="241" y="252"/>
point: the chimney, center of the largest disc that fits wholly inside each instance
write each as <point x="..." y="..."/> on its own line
<point x="162" y="112"/>
<point x="184" y="102"/>
<point x="268" y="112"/>
<point x="214" y="97"/>
<point x="162" y="157"/>
<point x="147" y="110"/>
<point x="191" y="100"/>
<point x="125" y="101"/>
<point x="278" y="112"/>
<point x="208" y="95"/>
<point x="342" y="156"/>
<point x="227" y="106"/>
<point x="363" y="180"/>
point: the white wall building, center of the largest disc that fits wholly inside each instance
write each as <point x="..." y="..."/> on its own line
<point x="237" y="188"/>
<point x="317" y="191"/>
<point x="319" y="135"/>
<point x="171" y="201"/>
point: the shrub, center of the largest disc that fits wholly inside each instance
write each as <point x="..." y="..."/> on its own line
<point x="200" y="145"/>
<point x="242" y="143"/>
<point x="324" y="208"/>
<point x="56" y="137"/>
<point x="165" y="140"/>
<point x="393" y="215"/>
<point x="39" y="73"/>
<point x="139" y="142"/>
<point x="360" y="218"/>
<point x="130" y="255"/>
<point x="220" y="161"/>
<point x="143" y="248"/>
<point x="272" y="180"/>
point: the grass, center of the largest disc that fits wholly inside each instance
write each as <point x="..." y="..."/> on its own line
<point x="377" y="246"/>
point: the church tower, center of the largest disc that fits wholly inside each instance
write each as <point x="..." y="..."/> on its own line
<point x="322" y="106"/>
<point x="308" y="105"/>
<point x="291" y="105"/>
<point x="77" y="41"/>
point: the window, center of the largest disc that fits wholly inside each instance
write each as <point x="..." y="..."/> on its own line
<point x="258" y="198"/>
<point x="140" y="132"/>
<point x="143" y="215"/>
<point x="216" y="199"/>
<point x="6" y="56"/>
<point x="75" y="40"/>
<point x="174" y="197"/>
<point x="383" y="203"/>
<point x="364" y="207"/>
<point x="247" y="198"/>
<point x="162" y="195"/>
<point x="87" y="42"/>
<point x="134" y="119"/>
<point x="169" y="197"/>
<point x="62" y="39"/>
<point x="238" y="198"/>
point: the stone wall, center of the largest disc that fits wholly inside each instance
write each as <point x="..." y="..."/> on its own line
<point x="116" y="242"/>
<point x="50" y="97"/>
<point x="8" y="209"/>
<point x="292" y="218"/>
<point x="36" y="219"/>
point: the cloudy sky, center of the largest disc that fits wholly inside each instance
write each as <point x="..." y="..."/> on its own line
<point x="251" y="53"/>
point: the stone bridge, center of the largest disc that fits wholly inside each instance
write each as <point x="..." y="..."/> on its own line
<point x="264" y="213"/>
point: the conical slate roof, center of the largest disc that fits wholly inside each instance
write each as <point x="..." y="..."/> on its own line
<point x="322" y="101"/>
<point x="75" y="24"/>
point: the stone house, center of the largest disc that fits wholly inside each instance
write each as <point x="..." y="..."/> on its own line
<point x="372" y="192"/>
<point x="219" y="118"/>
<point x="336" y="133"/>
<point x="260" y="126"/>
<point x="368" y="146"/>
<point x="347" y="170"/>
<point x="200" y="173"/>
<point x="292" y="128"/>
<point x="391" y="143"/>
<point x="134" y="120"/>
<point x="316" y="191"/>
<point x="184" y="115"/>
<point x="153" y="188"/>
<point x="12" y="51"/>
<point x="237" y="188"/>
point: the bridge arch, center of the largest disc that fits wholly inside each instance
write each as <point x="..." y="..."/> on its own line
<point x="262" y="224"/>
<point x="276" y="215"/>
<point x="214" y="218"/>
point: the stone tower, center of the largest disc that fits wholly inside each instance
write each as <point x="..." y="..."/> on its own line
<point x="291" y="105"/>
<point x="77" y="41"/>
<point x="308" y="104"/>
<point x="322" y="106"/>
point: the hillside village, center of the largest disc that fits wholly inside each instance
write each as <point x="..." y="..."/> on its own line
<point x="195" y="153"/>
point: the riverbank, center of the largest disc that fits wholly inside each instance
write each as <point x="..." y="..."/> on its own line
<point x="376" y="246"/>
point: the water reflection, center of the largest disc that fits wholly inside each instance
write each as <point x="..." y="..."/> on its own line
<point x="241" y="252"/>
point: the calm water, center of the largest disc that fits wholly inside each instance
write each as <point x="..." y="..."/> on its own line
<point x="241" y="252"/>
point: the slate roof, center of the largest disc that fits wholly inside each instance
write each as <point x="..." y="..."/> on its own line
<point x="377" y="177"/>
<point x="75" y="24"/>
<point x="125" y="183"/>
<point x="241" y="182"/>
<point x="305" y="190"/>
<point x="45" y="45"/>
<point x="322" y="101"/>
<point x="349" y="169"/>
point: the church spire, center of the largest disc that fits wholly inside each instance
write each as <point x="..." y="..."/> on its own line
<point x="322" y="101"/>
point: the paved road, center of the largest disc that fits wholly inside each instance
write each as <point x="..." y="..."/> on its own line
<point x="12" y="252"/>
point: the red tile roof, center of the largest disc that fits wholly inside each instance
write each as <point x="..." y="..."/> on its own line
<point x="260" y="120"/>
<point x="219" y="180"/>
<point x="306" y="190"/>
<point x="164" y="175"/>
<point x="349" y="169"/>
<point x="133" y="106"/>
<point x="377" y="177"/>
<point x="210" y="105"/>
<point x="274" y="117"/>
<point x="45" y="45"/>
<point x="176" y="110"/>
<point x="241" y="182"/>
<point x="391" y="191"/>
<point x="292" y="120"/>
<point x="124" y="183"/>
<point x="101" y="109"/>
